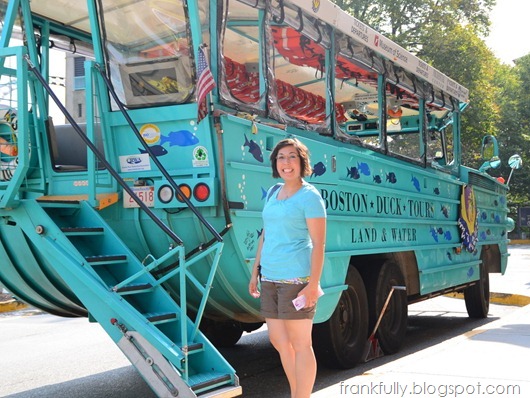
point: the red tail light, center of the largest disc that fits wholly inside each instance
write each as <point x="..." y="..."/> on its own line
<point x="201" y="192"/>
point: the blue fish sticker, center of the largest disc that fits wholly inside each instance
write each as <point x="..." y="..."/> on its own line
<point x="158" y="150"/>
<point x="447" y="235"/>
<point x="434" y="234"/>
<point x="179" y="138"/>
<point x="254" y="149"/>
<point x="363" y="168"/>
<point x="470" y="272"/>
<point x="318" y="169"/>
<point x="352" y="172"/>
<point x="416" y="183"/>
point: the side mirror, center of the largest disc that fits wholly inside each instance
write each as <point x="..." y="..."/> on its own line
<point x="515" y="162"/>
<point x="489" y="153"/>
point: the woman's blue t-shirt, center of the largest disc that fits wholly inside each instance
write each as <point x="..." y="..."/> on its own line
<point x="286" y="251"/>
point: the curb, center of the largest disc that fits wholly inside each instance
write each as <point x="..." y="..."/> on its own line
<point x="517" y="300"/>
<point x="519" y="241"/>
<point x="12" y="305"/>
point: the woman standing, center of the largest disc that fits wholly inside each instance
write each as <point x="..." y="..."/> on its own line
<point x="289" y="263"/>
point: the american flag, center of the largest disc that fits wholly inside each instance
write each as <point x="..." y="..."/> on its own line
<point x="205" y="84"/>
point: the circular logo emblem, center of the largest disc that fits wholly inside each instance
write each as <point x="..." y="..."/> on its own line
<point x="200" y="153"/>
<point x="150" y="133"/>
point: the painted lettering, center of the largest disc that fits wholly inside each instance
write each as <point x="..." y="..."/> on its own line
<point x="345" y="201"/>
<point x="420" y="209"/>
<point x="388" y="205"/>
<point x="403" y="234"/>
<point x="363" y="235"/>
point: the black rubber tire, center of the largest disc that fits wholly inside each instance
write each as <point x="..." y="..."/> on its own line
<point x="477" y="297"/>
<point x="340" y="341"/>
<point x="222" y="334"/>
<point x="393" y="327"/>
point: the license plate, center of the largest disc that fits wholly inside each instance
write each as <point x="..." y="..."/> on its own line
<point x="145" y="194"/>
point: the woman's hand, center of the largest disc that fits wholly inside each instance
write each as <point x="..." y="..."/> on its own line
<point x="311" y="293"/>
<point x="253" y="287"/>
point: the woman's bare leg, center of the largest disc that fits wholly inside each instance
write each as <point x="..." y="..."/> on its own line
<point x="279" y="338"/>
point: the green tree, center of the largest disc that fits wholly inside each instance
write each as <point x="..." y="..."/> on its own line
<point x="514" y="125"/>
<point x="463" y="56"/>
<point x="408" y="21"/>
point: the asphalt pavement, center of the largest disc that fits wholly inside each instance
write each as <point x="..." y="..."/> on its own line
<point x="488" y="360"/>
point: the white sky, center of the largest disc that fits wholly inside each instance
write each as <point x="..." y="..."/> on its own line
<point x="510" y="30"/>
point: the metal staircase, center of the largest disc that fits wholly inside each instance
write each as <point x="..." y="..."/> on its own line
<point x="133" y="307"/>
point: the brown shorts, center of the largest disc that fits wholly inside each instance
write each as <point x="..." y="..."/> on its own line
<point x="277" y="301"/>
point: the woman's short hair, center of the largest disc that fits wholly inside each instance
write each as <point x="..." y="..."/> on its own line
<point x="303" y="153"/>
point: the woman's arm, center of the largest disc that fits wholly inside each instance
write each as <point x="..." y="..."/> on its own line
<point x="317" y="233"/>
<point x="253" y="284"/>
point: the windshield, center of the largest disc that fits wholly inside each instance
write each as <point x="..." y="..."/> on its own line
<point x="149" y="56"/>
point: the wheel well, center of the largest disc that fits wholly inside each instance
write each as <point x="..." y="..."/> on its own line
<point x="369" y="265"/>
<point x="491" y="257"/>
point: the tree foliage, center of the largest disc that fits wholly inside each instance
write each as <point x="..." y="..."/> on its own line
<point x="408" y="21"/>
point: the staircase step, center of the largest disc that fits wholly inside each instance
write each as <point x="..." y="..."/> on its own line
<point x="224" y="392"/>
<point x="135" y="288"/>
<point x="107" y="259"/>
<point x="82" y="231"/>
<point x="103" y="199"/>
<point x="161" y="317"/>
<point x="192" y="348"/>
<point x="208" y="380"/>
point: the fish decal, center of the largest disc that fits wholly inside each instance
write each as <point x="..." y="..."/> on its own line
<point x="158" y="150"/>
<point x="377" y="179"/>
<point x="449" y="256"/>
<point x="179" y="138"/>
<point x="434" y="234"/>
<point x="483" y="236"/>
<point x="447" y="235"/>
<point x="436" y="191"/>
<point x="254" y="149"/>
<point x="318" y="169"/>
<point x="363" y="168"/>
<point x="391" y="177"/>
<point x="483" y="215"/>
<point x="445" y="211"/>
<point x="416" y="183"/>
<point x="497" y="218"/>
<point x="353" y="173"/>
<point x="470" y="272"/>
